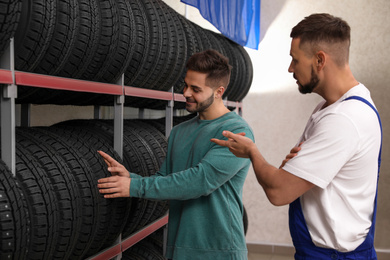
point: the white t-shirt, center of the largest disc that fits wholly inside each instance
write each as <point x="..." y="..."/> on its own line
<point x="340" y="156"/>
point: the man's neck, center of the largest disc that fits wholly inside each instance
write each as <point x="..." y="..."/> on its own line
<point x="337" y="86"/>
<point x="213" y="112"/>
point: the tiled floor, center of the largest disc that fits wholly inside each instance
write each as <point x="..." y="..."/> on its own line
<point x="382" y="255"/>
<point x="254" y="256"/>
<point x="270" y="252"/>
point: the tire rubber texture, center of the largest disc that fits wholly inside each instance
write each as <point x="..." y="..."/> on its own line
<point x="64" y="185"/>
<point x="14" y="218"/>
<point x="9" y="18"/>
<point x="41" y="201"/>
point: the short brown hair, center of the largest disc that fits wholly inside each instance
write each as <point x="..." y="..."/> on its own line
<point x="325" y="32"/>
<point x="212" y="63"/>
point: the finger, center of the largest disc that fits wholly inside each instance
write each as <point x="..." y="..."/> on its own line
<point x="106" y="185"/>
<point x="283" y="163"/>
<point x="107" y="162"/>
<point x="291" y="155"/>
<point x="242" y="134"/>
<point x="228" y="134"/>
<point x="114" y="169"/>
<point x="107" y="158"/>
<point x="110" y="193"/>
<point x="106" y="190"/>
<point x="107" y="179"/>
<point x="220" y="142"/>
<point x="112" y="196"/>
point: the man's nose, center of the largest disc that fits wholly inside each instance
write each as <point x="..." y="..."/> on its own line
<point x="290" y="68"/>
<point x="186" y="92"/>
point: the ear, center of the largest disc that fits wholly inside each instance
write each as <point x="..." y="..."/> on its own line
<point x="321" y="60"/>
<point x="218" y="93"/>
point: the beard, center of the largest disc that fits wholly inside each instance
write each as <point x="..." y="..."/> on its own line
<point x="202" y="106"/>
<point x="309" y="87"/>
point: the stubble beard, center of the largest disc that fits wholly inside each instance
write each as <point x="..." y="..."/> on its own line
<point x="202" y="106"/>
<point x="309" y="87"/>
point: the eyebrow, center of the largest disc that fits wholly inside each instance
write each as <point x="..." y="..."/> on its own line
<point x="192" y="86"/>
<point x="196" y="88"/>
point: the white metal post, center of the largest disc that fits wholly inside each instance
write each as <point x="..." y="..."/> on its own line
<point x="8" y="95"/>
<point x="169" y="114"/>
<point x="118" y="120"/>
<point x="118" y="134"/>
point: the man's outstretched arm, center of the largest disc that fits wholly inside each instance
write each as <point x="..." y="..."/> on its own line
<point x="280" y="186"/>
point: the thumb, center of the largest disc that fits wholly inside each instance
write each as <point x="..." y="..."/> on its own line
<point x="227" y="134"/>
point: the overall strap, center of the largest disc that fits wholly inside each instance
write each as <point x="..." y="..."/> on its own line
<point x="380" y="123"/>
<point x="370" y="236"/>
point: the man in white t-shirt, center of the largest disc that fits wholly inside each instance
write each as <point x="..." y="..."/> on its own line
<point x="330" y="179"/>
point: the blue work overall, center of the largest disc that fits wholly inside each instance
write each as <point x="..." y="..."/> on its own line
<point x="304" y="246"/>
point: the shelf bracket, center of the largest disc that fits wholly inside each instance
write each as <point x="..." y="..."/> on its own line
<point x="7" y="110"/>
<point x="141" y="113"/>
<point x="25" y="115"/>
<point x="96" y="112"/>
<point x="169" y="114"/>
<point x="118" y="119"/>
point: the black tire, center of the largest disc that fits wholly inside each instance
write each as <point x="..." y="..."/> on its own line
<point x="173" y="56"/>
<point x="156" y="146"/>
<point x="85" y="181"/>
<point x="110" y="210"/>
<point x="140" y="77"/>
<point x="86" y="41"/>
<point x="215" y="44"/>
<point x="41" y="202"/>
<point x="162" y="62"/>
<point x="65" y="187"/>
<point x="116" y="37"/>
<point x="157" y="239"/>
<point x="229" y="52"/>
<point x="245" y="220"/>
<point x="116" y="12"/>
<point x="118" y="34"/>
<point x="193" y="46"/>
<point x="247" y="75"/>
<point x="143" y="154"/>
<point x="9" y="18"/>
<point x="34" y="33"/>
<point x="203" y="39"/>
<point x="14" y="218"/>
<point x="63" y="38"/>
<point x="181" y="50"/>
<point x="142" y="43"/>
<point x="143" y="250"/>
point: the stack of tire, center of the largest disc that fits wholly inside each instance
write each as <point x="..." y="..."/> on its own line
<point x="146" y="41"/>
<point x="52" y="208"/>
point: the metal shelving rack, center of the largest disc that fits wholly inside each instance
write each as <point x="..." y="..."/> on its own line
<point x="10" y="78"/>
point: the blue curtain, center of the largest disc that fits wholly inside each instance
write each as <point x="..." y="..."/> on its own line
<point x="239" y="20"/>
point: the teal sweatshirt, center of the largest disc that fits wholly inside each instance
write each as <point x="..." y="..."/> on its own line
<point x="203" y="183"/>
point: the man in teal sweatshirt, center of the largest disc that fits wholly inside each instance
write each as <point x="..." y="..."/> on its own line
<point x="202" y="181"/>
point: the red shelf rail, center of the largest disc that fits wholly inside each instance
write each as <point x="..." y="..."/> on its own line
<point x="131" y="240"/>
<point x="6" y="77"/>
<point x="53" y="82"/>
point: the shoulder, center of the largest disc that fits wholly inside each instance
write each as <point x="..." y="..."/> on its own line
<point x="357" y="110"/>
<point x="236" y="124"/>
